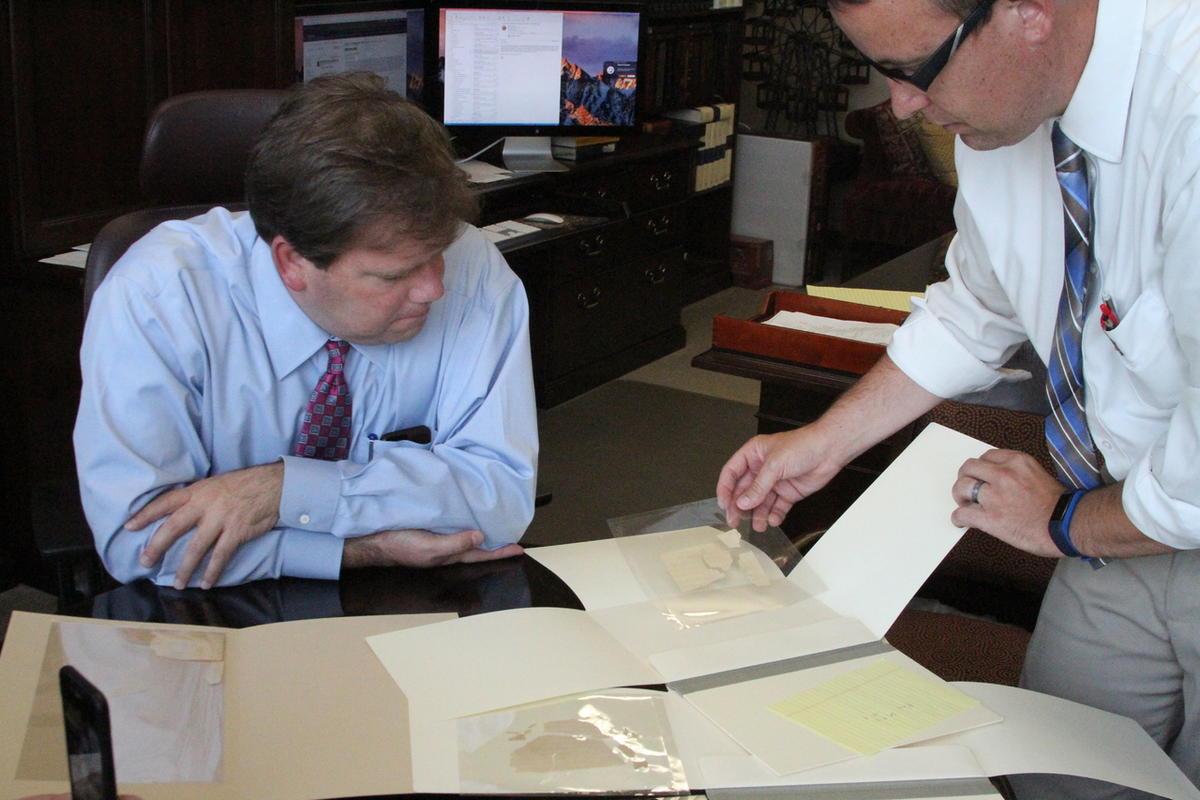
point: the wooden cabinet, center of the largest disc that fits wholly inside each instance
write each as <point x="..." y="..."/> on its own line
<point x="605" y="298"/>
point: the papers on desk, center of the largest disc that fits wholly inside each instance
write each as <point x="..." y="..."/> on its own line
<point x="870" y="332"/>
<point x="511" y="229"/>
<point x="530" y="700"/>
<point x="255" y="707"/>
<point x="729" y="680"/>
<point x="478" y="171"/>
<point x="75" y="257"/>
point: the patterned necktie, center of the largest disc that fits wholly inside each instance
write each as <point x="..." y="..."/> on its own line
<point x="1067" y="433"/>
<point x="325" y="426"/>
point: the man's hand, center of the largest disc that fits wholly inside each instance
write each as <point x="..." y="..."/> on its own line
<point x="1017" y="497"/>
<point x="769" y="474"/>
<point x="418" y="548"/>
<point x="1013" y="503"/>
<point x="224" y="511"/>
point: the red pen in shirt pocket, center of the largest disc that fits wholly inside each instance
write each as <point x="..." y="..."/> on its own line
<point x="1108" y="315"/>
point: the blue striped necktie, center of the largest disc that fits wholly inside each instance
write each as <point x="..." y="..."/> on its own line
<point x="1067" y="433"/>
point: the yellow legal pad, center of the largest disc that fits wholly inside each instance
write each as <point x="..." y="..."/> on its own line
<point x="880" y="298"/>
<point x="875" y="707"/>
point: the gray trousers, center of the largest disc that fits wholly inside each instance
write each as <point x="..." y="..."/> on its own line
<point x="1125" y="638"/>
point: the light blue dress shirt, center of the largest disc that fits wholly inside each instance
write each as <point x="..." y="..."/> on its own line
<point x="196" y="361"/>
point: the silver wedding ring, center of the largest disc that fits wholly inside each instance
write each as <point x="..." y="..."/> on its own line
<point x="975" y="491"/>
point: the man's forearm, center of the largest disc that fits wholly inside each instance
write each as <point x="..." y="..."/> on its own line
<point x="1101" y="527"/>
<point x="880" y="403"/>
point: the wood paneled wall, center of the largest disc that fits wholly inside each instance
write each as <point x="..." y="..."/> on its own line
<point x="85" y="75"/>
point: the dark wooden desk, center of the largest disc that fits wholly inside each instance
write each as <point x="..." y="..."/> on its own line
<point x="462" y="589"/>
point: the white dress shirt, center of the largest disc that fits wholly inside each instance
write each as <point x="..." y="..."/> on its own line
<point x="1136" y="114"/>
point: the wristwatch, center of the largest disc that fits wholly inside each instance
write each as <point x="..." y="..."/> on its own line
<point x="1060" y="522"/>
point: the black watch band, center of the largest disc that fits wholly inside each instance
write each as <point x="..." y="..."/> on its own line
<point x="1060" y="522"/>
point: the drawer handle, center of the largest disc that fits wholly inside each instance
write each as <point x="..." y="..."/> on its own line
<point x="592" y="247"/>
<point x="661" y="181"/>
<point x="660" y="226"/>
<point x="656" y="275"/>
<point x="588" y="299"/>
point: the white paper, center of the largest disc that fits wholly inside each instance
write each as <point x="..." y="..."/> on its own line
<point x="596" y="571"/>
<point x="477" y="171"/>
<point x="742" y="711"/>
<point x="72" y="258"/>
<point x="505" y="658"/>
<point x="872" y="561"/>
<point x="1048" y="734"/>
<point x="510" y="229"/>
<point x="870" y="332"/>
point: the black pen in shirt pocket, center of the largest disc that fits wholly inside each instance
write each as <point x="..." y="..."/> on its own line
<point x="417" y="434"/>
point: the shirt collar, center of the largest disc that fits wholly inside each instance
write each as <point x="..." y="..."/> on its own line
<point x="1095" y="118"/>
<point x="291" y="336"/>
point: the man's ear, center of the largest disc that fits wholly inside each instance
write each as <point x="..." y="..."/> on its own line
<point x="291" y="266"/>
<point x="1036" y="18"/>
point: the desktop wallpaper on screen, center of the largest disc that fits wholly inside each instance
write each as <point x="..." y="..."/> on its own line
<point x="599" y="68"/>
<point x="539" y="67"/>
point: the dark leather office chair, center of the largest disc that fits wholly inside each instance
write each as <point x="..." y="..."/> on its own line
<point x="194" y="157"/>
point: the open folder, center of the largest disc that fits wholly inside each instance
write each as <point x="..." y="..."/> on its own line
<point x="537" y="700"/>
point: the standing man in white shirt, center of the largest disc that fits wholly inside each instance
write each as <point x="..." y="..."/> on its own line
<point x="1078" y="219"/>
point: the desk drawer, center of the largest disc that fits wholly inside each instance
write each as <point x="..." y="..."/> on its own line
<point x="660" y="228"/>
<point x="592" y="250"/>
<point x="659" y="183"/>
<point x="600" y="314"/>
<point x="639" y="186"/>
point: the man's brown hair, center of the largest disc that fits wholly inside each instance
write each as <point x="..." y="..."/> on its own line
<point x="347" y="162"/>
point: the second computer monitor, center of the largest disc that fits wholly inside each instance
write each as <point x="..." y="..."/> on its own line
<point x="538" y="68"/>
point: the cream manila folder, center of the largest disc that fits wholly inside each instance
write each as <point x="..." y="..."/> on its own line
<point x="852" y="585"/>
<point x="291" y="710"/>
<point x="872" y="561"/>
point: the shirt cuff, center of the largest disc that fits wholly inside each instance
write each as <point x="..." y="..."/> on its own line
<point x="311" y="490"/>
<point x="935" y="360"/>
<point x="304" y="554"/>
<point x="1157" y="515"/>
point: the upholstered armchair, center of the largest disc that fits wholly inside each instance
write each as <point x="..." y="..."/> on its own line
<point x="903" y="193"/>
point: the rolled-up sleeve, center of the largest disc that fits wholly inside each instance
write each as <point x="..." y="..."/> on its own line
<point x="964" y="329"/>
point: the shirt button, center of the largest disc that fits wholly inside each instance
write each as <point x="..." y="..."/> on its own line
<point x="304" y="519"/>
<point x="1106" y="444"/>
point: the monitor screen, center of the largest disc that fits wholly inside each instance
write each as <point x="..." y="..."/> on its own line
<point x="537" y="68"/>
<point x="387" y="42"/>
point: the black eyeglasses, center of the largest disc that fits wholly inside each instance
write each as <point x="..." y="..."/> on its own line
<point x="925" y="74"/>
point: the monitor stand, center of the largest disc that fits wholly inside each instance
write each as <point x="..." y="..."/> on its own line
<point x="530" y="154"/>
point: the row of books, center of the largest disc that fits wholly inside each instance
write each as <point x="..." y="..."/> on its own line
<point x="713" y="126"/>
<point x="581" y="148"/>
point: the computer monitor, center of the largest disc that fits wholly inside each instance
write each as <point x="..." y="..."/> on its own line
<point x="530" y="70"/>
<point x="383" y="38"/>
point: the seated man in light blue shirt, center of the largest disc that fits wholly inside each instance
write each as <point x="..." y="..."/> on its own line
<point x="211" y="441"/>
